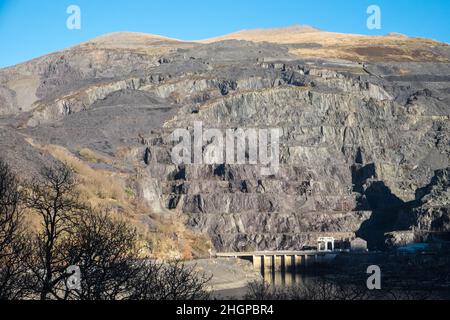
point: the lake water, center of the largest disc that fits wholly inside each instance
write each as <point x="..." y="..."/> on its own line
<point x="275" y="278"/>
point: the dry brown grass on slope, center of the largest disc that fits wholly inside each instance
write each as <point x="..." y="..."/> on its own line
<point x="318" y="44"/>
<point x="93" y="157"/>
<point x="173" y="240"/>
<point x="98" y="187"/>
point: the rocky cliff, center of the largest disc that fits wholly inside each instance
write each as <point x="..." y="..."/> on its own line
<point x="365" y="129"/>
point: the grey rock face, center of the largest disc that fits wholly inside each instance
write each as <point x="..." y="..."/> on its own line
<point x="359" y="140"/>
<point x="349" y="151"/>
<point x="433" y="213"/>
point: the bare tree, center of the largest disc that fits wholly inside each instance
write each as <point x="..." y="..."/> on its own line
<point x="318" y="288"/>
<point x="181" y="282"/>
<point x="105" y="250"/>
<point x="172" y="280"/>
<point x="14" y="280"/>
<point x="10" y="211"/>
<point x="325" y="288"/>
<point x="262" y="290"/>
<point x="53" y="197"/>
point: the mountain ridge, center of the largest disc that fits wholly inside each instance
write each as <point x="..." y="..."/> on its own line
<point x="295" y="34"/>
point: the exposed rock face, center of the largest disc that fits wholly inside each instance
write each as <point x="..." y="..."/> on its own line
<point x="433" y="213"/>
<point x="358" y="139"/>
<point x="398" y="239"/>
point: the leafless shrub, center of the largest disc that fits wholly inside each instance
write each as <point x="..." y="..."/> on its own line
<point x="261" y="290"/>
<point x="408" y="277"/>
<point x="321" y="288"/>
<point x="169" y="281"/>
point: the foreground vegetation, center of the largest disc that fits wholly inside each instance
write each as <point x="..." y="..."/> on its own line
<point x="37" y="263"/>
<point x="403" y="277"/>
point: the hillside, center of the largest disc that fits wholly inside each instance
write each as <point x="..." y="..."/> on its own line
<point x="365" y="124"/>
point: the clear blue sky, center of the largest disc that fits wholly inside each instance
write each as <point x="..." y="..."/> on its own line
<point x="31" y="28"/>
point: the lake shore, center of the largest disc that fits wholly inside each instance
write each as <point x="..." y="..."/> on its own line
<point x="229" y="276"/>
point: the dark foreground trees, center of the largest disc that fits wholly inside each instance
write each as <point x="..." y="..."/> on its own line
<point x="106" y="253"/>
<point x="78" y="252"/>
<point x="169" y="281"/>
<point x="53" y="197"/>
<point x="111" y="267"/>
<point x="14" y="247"/>
<point x="319" y="289"/>
<point x="404" y="277"/>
